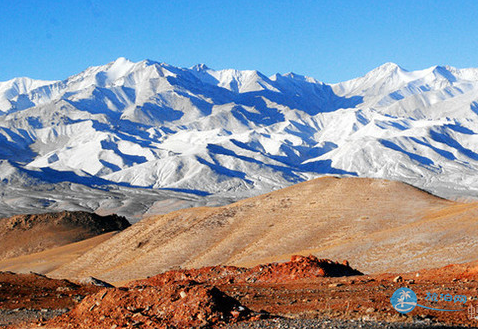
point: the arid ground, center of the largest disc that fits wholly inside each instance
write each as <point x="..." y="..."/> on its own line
<point x="304" y="290"/>
<point x="234" y="265"/>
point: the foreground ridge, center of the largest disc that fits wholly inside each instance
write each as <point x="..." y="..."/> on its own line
<point x="226" y="296"/>
<point x="191" y="298"/>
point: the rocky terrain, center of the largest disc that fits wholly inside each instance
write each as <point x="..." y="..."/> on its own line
<point x="250" y="264"/>
<point x="305" y="292"/>
<point x="34" y="297"/>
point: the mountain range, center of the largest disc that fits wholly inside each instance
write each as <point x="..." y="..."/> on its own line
<point x="147" y="137"/>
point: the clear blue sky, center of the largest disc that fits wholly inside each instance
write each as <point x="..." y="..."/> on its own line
<point x="329" y="40"/>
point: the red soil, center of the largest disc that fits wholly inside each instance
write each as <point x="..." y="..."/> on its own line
<point x="189" y="298"/>
<point x="35" y="291"/>
<point x="303" y="288"/>
<point x="175" y="305"/>
<point x="299" y="267"/>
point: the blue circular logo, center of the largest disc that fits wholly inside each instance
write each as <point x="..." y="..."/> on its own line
<point x="404" y="300"/>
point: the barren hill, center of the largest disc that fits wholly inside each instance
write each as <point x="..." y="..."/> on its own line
<point x="378" y="225"/>
<point x="27" y="234"/>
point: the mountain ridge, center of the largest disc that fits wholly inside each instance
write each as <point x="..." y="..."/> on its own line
<point x="234" y="134"/>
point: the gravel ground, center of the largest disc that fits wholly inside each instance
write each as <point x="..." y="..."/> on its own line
<point x="8" y="317"/>
<point x="283" y="323"/>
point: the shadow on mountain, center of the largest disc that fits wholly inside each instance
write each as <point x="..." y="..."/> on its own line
<point x="460" y="129"/>
<point x="55" y="176"/>
<point x="216" y="167"/>
<point x="110" y="165"/>
<point x="250" y="146"/>
<point x="94" y="106"/>
<point x="421" y="159"/>
<point x="185" y="190"/>
<point x="265" y="115"/>
<point x="21" y="103"/>
<point x="393" y="124"/>
<point x="474" y="107"/>
<point x="305" y="132"/>
<point x="443" y="153"/>
<point x="127" y="131"/>
<point x="443" y="137"/>
<point x="287" y="172"/>
<point x="324" y="167"/>
<point x="14" y="145"/>
<point x="202" y="105"/>
<point x="322" y="100"/>
<point x="158" y="113"/>
<point x="291" y="94"/>
<point x="128" y="159"/>
<point x="292" y="166"/>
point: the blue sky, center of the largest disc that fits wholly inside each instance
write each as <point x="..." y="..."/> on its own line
<point x="331" y="41"/>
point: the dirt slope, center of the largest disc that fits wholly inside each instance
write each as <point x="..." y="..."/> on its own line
<point x="379" y="225"/>
<point x="27" y="234"/>
<point x="48" y="260"/>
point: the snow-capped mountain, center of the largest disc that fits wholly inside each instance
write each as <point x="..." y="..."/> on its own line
<point x="236" y="133"/>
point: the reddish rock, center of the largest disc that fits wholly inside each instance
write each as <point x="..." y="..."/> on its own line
<point x="180" y="305"/>
<point x="300" y="267"/>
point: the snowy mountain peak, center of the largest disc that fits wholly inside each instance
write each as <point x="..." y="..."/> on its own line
<point x="444" y="72"/>
<point x="235" y="132"/>
<point x="122" y="61"/>
<point x="16" y="86"/>
<point x="200" y="67"/>
<point x="298" y="77"/>
<point x="11" y="91"/>
<point x="386" y="70"/>
<point x="389" y="66"/>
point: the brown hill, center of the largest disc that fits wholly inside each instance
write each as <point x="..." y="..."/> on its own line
<point x="379" y="225"/>
<point x="27" y="234"/>
<point x="48" y="260"/>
